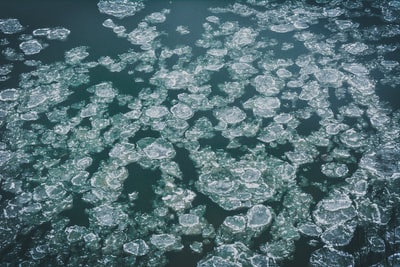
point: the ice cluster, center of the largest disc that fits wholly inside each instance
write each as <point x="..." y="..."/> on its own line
<point x="269" y="135"/>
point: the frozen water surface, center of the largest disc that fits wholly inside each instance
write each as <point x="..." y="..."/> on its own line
<point x="244" y="133"/>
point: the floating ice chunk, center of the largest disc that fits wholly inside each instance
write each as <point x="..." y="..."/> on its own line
<point x="283" y="118"/>
<point x="330" y="257"/>
<point x="352" y="111"/>
<point x="190" y="224"/>
<point x="10" y="26"/>
<point x="258" y="216"/>
<point x="80" y="179"/>
<point x="217" y="52"/>
<point x="163" y="241"/>
<point x="9" y="95"/>
<point x="143" y="36"/>
<point x="196" y="247"/>
<point x="29" y="116"/>
<point x="41" y="32"/>
<point x="56" y="191"/>
<point x="89" y="111"/>
<point x="156" y="148"/>
<point x="39" y="252"/>
<point x="242" y="70"/>
<point x="243" y="37"/>
<point x="235" y="224"/>
<point x="345" y="24"/>
<point x="336" y="209"/>
<point x="299" y="157"/>
<point x="106" y="215"/>
<point x="58" y="33"/>
<point x="189" y="220"/>
<point x="334" y="170"/>
<point x="282" y="28"/>
<point x="157" y="17"/>
<point x="329" y="77"/>
<point x="76" y="55"/>
<point x="104" y="90"/>
<point x="5" y="156"/>
<point x="156" y="112"/>
<point x="173" y="80"/>
<point x="230" y="115"/>
<point x="182" y="30"/>
<point x="75" y="233"/>
<point x="355" y="48"/>
<point x="362" y="84"/>
<point x="137" y="247"/>
<point x="271" y="133"/>
<point x="356" y="69"/>
<point x="377" y="244"/>
<point x="352" y="139"/>
<point x="179" y="199"/>
<point x="384" y="162"/>
<point x="217" y="261"/>
<point x="242" y="10"/>
<point x="31" y="47"/>
<point x="6" y="69"/>
<point x="263" y="106"/>
<point x="338" y="235"/>
<point x="267" y="85"/>
<point x="248" y="174"/>
<point x="182" y="111"/>
<point x="120" y="8"/>
<point x="310" y="229"/>
<point x="333" y="12"/>
<point x="283" y="73"/>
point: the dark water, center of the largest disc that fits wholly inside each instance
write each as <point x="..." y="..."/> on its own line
<point x="84" y="21"/>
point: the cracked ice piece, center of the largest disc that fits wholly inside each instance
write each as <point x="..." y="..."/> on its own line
<point x="258" y="216"/>
<point x="230" y="115"/>
<point x="137" y="247"/>
<point x="31" y="47"/>
<point x="157" y="148"/>
<point x="10" y="26"/>
<point x="163" y="241"/>
<point x="120" y="8"/>
<point x="330" y="257"/>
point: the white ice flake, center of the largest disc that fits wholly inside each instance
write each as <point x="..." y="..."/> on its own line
<point x="10" y="26"/>
<point x="230" y="115"/>
<point x="31" y="47"/>
<point x="137" y="247"/>
<point x="120" y="8"/>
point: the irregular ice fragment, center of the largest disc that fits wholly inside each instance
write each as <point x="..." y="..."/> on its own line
<point x="163" y="241"/>
<point x="31" y="47"/>
<point x="136" y="247"/>
<point x="120" y="8"/>
<point x="182" y="30"/>
<point x="156" y="148"/>
<point x="334" y="210"/>
<point x="338" y="235"/>
<point x="230" y="115"/>
<point x="9" y="94"/>
<point x="10" y="26"/>
<point x="258" y="216"/>
<point x="334" y="170"/>
<point x="182" y="111"/>
<point x="329" y="77"/>
<point x="330" y="257"/>
<point x="58" y="33"/>
<point x="106" y="215"/>
<point x="235" y="224"/>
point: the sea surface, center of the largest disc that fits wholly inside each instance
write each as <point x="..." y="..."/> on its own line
<point x="199" y="133"/>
